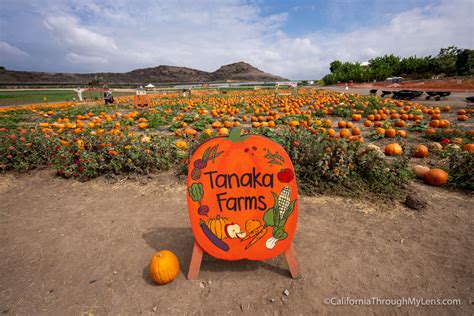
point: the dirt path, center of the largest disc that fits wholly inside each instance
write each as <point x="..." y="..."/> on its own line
<point x="70" y="248"/>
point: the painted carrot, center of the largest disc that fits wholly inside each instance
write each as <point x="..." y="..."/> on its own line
<point x="257" y="238"/>
<point x="252" y="233"/>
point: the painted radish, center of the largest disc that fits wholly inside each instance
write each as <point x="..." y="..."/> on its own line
<point x="271" y="242"/>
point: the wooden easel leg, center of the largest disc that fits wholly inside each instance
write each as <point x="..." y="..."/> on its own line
<point x="290" y="257"/>
<point x="195" y="264"/>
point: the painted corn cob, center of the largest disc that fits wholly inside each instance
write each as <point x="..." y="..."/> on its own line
<point x="284" y="201"/>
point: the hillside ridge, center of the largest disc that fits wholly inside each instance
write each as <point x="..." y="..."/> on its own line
<point x="239" y="71"/>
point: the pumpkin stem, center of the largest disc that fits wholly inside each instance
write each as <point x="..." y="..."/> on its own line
<point x="234" y="135"/>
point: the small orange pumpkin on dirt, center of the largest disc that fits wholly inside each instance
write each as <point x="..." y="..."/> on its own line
<point x="393" y="149"/>
<point x="420" y="151"/>
<point x="436" y="177"/>
<point x="142" y="125"/>
<point x="164" y="267"/>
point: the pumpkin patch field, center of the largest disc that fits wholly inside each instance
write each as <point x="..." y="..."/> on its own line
<point x="91" y="193"/>
<point x="340" y="131"/>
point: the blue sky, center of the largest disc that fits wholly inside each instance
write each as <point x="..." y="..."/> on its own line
<point x="305" y="17"/>
<point x="293" y="39"/>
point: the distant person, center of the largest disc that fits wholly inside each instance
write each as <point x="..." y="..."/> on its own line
<point x="184" y="92"/>
<point x="108" y="98"/>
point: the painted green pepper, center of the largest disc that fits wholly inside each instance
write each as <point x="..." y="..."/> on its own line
<point x="196" y="192"/>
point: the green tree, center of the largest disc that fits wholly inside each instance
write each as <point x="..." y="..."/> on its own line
<point x="385" y="66"/>
<point x="334" y="66"/>
<point x="447" y="59"/>
<point x="465" y="62"/>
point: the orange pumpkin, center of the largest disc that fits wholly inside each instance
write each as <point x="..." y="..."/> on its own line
<point x="190" y="131"/>
<point x="356" y="117"/>
<point x="393" y="149"/>
<point x="400" y="123"/>
<point x="345" y="132"/>
<point x="164" y="267"/>
<point x="356" y="131"/>
<point x="469" y="147"/>
<point x="430" y="131"/>
<point x="390" y="133"/>
<point x="434" y="123"/>
<point x="401" y="133"/>
<point x="420" y="151"/>
<point x="142" y="125"/>
<point x="436" y="177"/>
<point x="242" y="197"/>
<point x="223" y="131"/>
<point x="380" y="131"/>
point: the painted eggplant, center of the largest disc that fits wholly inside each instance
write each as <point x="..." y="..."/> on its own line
<point x="213" y="238"/>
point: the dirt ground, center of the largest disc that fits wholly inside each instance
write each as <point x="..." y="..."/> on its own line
<point x="70" y="247"/>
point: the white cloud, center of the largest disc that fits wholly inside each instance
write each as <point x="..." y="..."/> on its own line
<point x="420" y="31"/>
<point x="118" y="35"/>
<point x="84" y="45"/>
<point x="9" y="50"/>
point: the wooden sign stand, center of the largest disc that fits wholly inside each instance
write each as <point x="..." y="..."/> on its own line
<point x="196" y="259"/>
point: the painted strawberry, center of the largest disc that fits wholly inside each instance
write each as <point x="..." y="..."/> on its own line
<point x="285" y="175"/>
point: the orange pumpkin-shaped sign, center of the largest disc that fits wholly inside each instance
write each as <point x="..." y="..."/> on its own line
<point x="242" y="197"/>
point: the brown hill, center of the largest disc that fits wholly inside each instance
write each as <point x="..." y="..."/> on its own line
<point x="162" y="74"/>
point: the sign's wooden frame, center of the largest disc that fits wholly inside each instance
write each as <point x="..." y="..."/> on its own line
<point x="196" y="259"/>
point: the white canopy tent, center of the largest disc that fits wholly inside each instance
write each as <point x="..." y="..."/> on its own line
<point x="149" y="86"/>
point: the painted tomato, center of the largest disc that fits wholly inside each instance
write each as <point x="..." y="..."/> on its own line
<point x="285" y="175"/>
